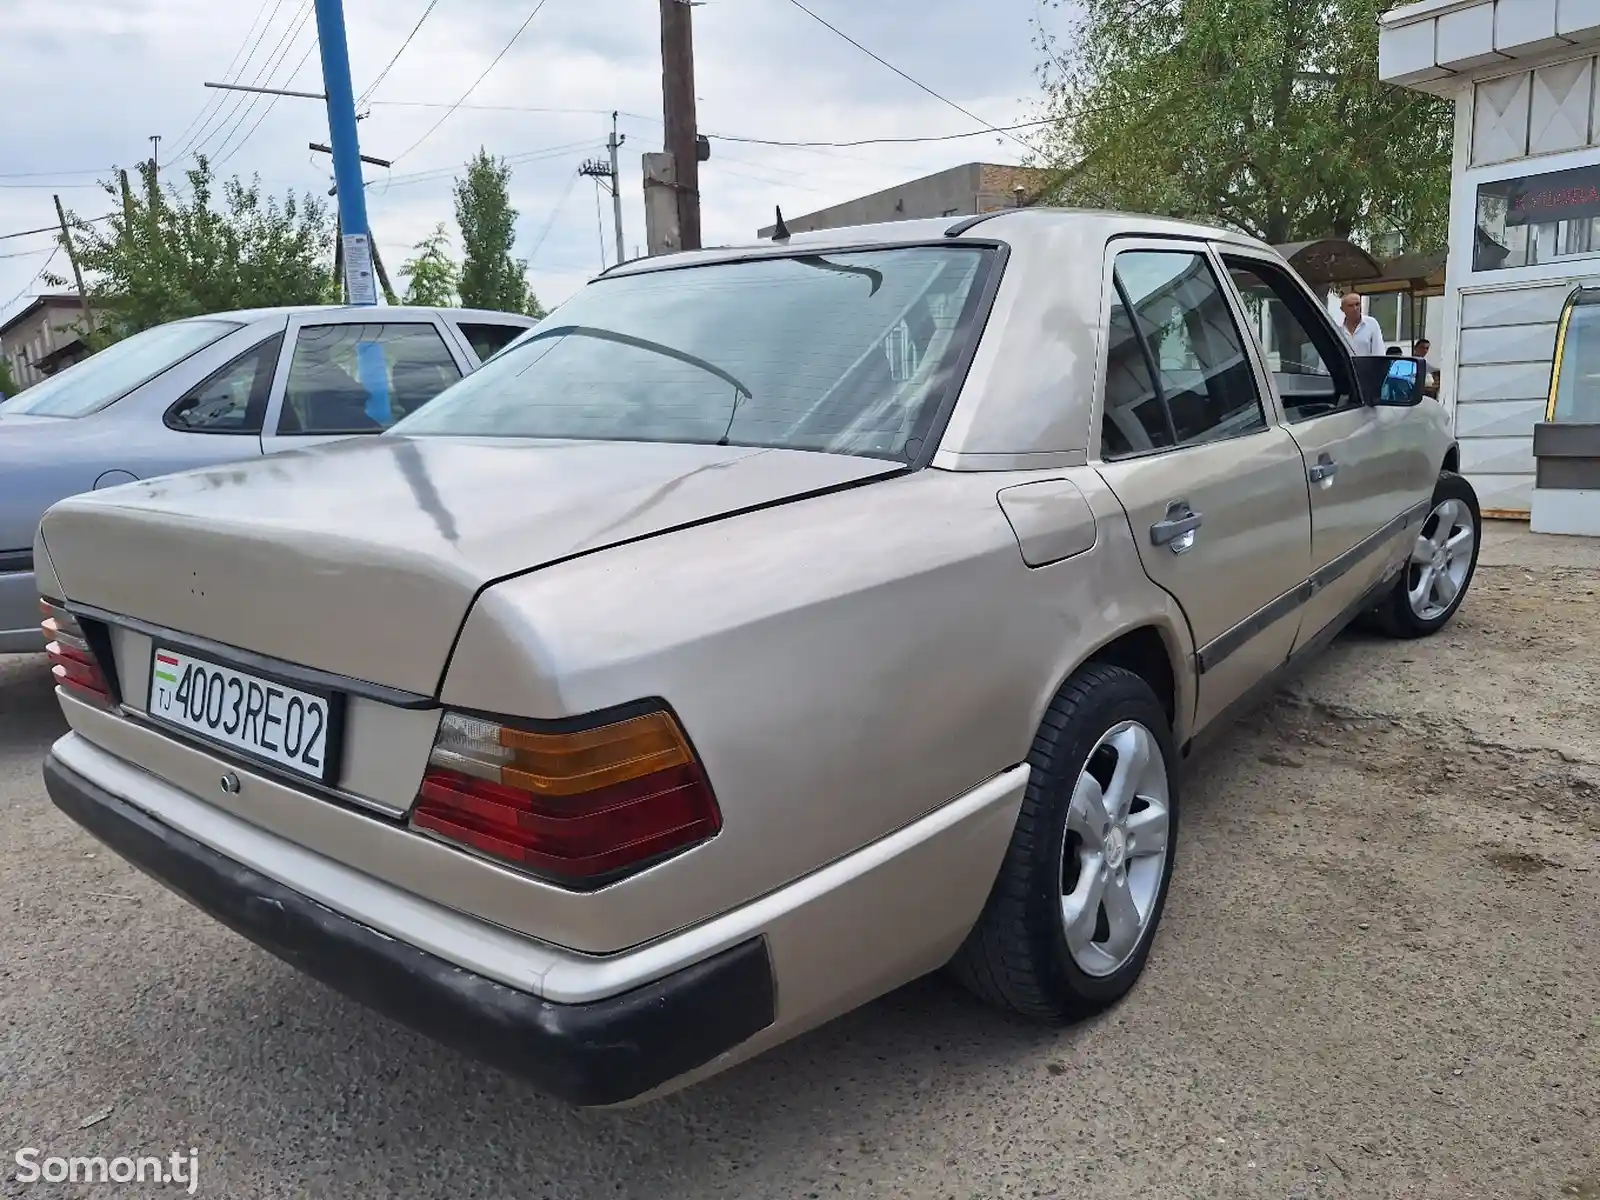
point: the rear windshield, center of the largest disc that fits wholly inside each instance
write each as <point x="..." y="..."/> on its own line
<point x="850" y="353"/>
<point x="101" y="378"/>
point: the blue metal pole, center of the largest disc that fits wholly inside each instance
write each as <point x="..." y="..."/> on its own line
<point x="342" y="135"/>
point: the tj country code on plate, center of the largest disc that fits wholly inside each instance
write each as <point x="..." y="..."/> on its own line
<point x="261" y="718"/>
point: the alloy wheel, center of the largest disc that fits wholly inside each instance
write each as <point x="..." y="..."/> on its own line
<point x="1115" y="851"/>
<point x="1441" y="559"/>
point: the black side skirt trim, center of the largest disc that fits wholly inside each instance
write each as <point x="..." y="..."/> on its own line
<point x="15" y="561"/>
<point x="1292" y="666"/>
<point x="600" y="1053"/>
<point x="1215" y="651"/>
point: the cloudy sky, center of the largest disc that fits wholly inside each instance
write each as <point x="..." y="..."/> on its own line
<point x="86" y="84"/>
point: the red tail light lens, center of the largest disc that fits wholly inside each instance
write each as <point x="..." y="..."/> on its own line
<point x="72" y="662"/>
<point x="582" y="807"/>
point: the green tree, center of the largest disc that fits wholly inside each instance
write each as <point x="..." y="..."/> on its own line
<point x="433" y="274"/>
<point x="1266" y="115"/>
<point x="8" y="385"/>
<point x="161" y="256"/>
<point x="490" y="277"/>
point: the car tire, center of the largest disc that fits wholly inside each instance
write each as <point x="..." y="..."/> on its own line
<point x="1440" y="567"/>
<point x="1037" y="950"/>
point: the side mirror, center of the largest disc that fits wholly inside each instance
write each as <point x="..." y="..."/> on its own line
<point x="1391" y="382"/>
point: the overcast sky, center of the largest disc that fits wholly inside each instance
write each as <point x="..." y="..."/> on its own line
<point x="86" y="83"/>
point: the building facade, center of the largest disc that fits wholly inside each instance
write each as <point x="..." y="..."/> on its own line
<point x="958" y="192"/>
<point x="1524" y="207"/>
<point x="44" y="337"/>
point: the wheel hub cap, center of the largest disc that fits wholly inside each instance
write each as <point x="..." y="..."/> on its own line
<point x="1116" y="847"/>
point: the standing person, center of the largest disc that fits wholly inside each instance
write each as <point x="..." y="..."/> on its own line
<point x="1419" y="349"/>
<point x="1360" y="331"/>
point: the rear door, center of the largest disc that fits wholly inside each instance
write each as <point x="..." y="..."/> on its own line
<point x="1365" y="467"/>
<point x="357" y="371"/>
<point x="1213" y="486"/>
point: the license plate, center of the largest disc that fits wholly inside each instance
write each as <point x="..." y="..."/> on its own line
<point x="264" y="719"/>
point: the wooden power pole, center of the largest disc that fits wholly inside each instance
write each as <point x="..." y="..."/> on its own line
<point x="677" y="93"/>
<point x="72" y="257"/>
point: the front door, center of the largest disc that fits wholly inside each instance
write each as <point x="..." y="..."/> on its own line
<point x="1364" y="471"/>
<point x="355" y="372"/>
<point x="1213" y="487"/>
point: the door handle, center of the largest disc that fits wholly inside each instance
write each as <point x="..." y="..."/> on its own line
<point x="1177" y="529"/>
<point x="1323" y="470"/>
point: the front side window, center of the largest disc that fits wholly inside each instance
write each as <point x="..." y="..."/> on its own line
<point x="106" y="377"/>
<point x="234" y="399"/>
<point x="1535" y="219"/>
<point x="1180" y="323"/>
<point x="850" y="353"/>
<point x="1306" y="365"/>
<point x="362" y="378"/>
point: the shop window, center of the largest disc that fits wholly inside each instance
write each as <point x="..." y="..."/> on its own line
<point x="1533" y="219"/>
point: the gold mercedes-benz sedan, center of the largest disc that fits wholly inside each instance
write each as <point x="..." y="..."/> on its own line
<point x="764" y="629"/>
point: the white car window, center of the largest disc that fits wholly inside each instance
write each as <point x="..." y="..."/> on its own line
<point x="361" y="378"/>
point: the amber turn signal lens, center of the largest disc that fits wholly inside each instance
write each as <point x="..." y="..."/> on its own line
<point x="580" y="806"/>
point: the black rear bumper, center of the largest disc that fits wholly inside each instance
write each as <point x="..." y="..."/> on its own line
<point x="599" y="1053"/>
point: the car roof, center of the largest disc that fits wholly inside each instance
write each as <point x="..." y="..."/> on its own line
<point x="1012" y="226"/>
<point x="247" y="315"/>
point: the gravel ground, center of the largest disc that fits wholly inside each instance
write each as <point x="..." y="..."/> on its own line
<point x="1379" y="975"/>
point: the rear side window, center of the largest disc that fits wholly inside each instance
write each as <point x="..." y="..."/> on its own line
<point x="363" y="378"/>
<point x="234" y="399"/>
<point x="1175" y="321"/>
<point x="488" y="339"/>
<point x="106" y="377"/>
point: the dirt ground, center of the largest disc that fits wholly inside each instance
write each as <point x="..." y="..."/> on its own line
<point x="1378" y="976"/>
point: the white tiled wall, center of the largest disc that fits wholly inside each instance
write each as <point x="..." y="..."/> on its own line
<point x="1507" y="340"/>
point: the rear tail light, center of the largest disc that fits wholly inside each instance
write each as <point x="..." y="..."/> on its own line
<point x="582" y="807"/>
<point x="72" y="662"/>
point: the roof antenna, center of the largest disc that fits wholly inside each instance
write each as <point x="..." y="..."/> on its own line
<point x="781" y="233"/>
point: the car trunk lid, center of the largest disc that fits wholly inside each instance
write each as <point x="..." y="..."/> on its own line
<point x="362" y="558"/>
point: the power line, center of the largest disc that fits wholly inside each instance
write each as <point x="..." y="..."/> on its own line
<point x="44" y="174"/>
<point x="209" y="127"/>
<point x="887" y="141"/>
<point x="504" y="50"/>
<point x="245" y="41"/>
<point x="24" y="291"/>
<point x="55" y="228"/>
<point x="554" y="213"/>
<point x="916" y="82"/>
<point x="287" y="45"/>
<point x="510" y="160"/>
<point x="384" y="74"/>
<point x="263" y="75"/>
<point x="271" y="104"/>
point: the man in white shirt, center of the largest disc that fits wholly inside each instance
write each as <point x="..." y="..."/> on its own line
<point x="1360" y="331"/>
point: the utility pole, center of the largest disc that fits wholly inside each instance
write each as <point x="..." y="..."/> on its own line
<point x="356" y="234"/>
<point x="611" y="177"/>
<point x="72" y="257"/>
<point x="677" y="95"/>
<point x="616" y="183"/>
<point x="155" y="151"/>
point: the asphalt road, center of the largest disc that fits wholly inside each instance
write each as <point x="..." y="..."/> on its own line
<point x="1378" y="976"/>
